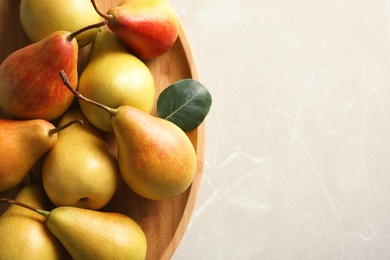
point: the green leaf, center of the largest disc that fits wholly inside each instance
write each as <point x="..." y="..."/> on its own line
<point x="185" y="103"/>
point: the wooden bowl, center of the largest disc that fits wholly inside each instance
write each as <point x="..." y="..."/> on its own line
<point x="164" y="223"/>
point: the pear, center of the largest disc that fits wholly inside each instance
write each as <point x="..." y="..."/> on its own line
<point x="23" y="233"/>
<point x="114" y="77"/>
<point x="23" y="143"/>
<point x="156" y="158"/>
<point x="148" y="28"/>
<point x="28" y="89"/>
<point x="90" y="234"/>
<point x="41" y="18"/>
<point x="80" y="171"/>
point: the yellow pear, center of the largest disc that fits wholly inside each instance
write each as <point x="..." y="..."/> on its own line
<point x="115" y="78"/>
<point x="80" y="171"/>
<point x="40" y="18"/>
<point x="91" y="234"/>
<point x="23" y="233"/>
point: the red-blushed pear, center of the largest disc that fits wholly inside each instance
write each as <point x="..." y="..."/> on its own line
<point x="148" y="28"/>
<point x="156" y="158"/>
<point x="91" y="234"/>
<point x="28" y="88"/>
<point x="22" y="143"/>
<point x="23" y="233"/>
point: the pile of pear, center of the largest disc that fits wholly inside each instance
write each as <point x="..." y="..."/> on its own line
<point x="56" y="117"/>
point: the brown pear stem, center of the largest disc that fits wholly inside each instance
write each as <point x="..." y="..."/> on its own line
<point x="42" y="212"/>
<point x="105" y="16"/>
<point x="92" y="26"/>
<point x="67" y="83"/>
<point x="71" y="122"/>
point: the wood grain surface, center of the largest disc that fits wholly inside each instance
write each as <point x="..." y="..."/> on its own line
<point x="164" y="223"/>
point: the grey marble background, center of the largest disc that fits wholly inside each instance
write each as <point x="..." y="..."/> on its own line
<point x="297" y="162"/>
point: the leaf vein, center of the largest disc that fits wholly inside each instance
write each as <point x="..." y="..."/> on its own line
<point x="183" y="105"/>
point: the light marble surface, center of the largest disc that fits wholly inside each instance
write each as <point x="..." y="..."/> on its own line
<point x="297" y="161"/>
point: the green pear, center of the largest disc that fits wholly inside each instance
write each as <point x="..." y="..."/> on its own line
<point x="156" y="158"/>
<point x="114" y="77"/>
<point x="23" y="233"/>
<point x="80" y="171"/>
<point x="23" y="143"/>
<point x="90" y="234"/>
<point x="41" y="18"/>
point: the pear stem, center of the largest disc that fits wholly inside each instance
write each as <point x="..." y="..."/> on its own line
<point x="92" y="26"/>
<point x="42" y="212"/>
<point x="105" y="16"/>
<point x="67" y="83"/>
<point x="71" y="122"/>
